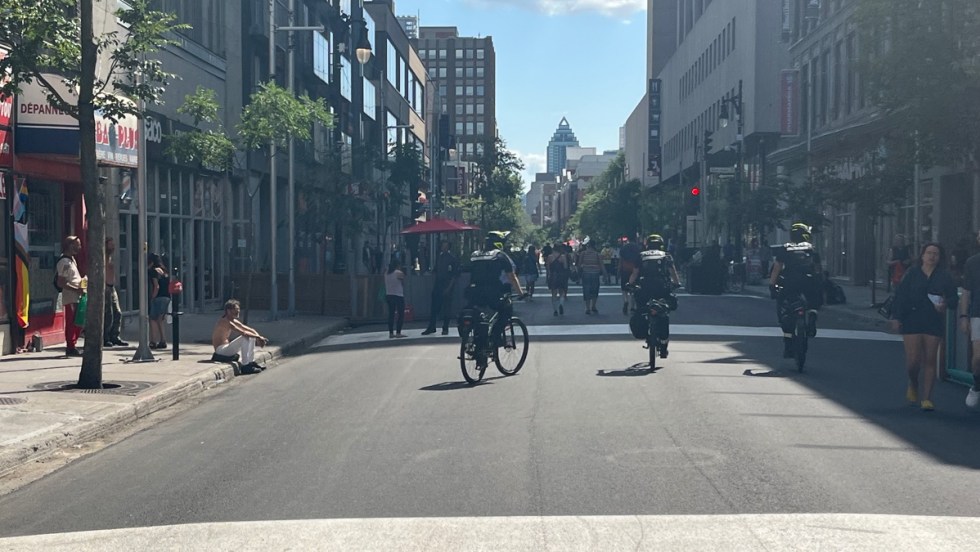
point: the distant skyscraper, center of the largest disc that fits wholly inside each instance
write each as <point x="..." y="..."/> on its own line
<point x="410" y="24"/>
<point x="563" y="138"/>
<point x="464" y="69"/>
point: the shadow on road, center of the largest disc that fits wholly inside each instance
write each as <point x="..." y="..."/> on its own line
<point x="455" y="385"/>
<point x="639" y="369"/>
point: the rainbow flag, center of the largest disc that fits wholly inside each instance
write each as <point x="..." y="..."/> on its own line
<point x="22" y="254"/>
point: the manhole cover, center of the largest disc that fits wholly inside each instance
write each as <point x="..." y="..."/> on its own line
<point x="7" y="401"/>
<point x="129" y="388"/>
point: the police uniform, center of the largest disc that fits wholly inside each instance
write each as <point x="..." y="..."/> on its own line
<point x="799" y="274"/>
<point x="487" y="268"/>
<point x="655" y="270"/>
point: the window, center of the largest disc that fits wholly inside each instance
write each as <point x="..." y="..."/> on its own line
<point x="479" y="90"/>
<point x="459" y="129"/>
<point x="480" y="54"/>
<point x="480" y="126"/>
<point x="345" y="78"/>
<point x="459" y="53"/>
<point x="838" y="78"/>
<point x="442" y="54"/>
<point x="469" y="72"/>
<point x="459" y="109"/>
<point x="469" y="90"/>
<point x="442" y="73"/>
<point x="479" y="72"/>
<point x="469" y="128"/>
<point x="370" y="99"/>
<point x="733" y="34"/>
<point x="469" y="53"/>
<point x="459" y="72"/>
<point x="469" y="109"/>
<point x="321" y="57"/>
<point x="459" y="90"/>
<point x="392" y="65"/>
<point x="479" y="108"/>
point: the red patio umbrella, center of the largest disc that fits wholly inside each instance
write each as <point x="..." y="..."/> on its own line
<point x="437" y="225"/>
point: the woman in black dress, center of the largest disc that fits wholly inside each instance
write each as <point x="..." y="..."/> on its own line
<point x="919" y="314"/>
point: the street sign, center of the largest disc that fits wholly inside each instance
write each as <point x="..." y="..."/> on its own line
<point x="722" y="170"/>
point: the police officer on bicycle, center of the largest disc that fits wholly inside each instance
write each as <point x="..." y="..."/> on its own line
<point x="796" y="271"/>
<point x="491" y="277"/>
<point x="657" y="277"/>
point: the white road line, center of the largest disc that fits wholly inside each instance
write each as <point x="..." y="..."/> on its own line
<point x="616" y="330"/>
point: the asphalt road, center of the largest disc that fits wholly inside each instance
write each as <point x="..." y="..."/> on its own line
<point x="386" y="428"/>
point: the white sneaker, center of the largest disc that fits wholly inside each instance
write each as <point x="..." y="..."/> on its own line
<point x="972" y="398"/>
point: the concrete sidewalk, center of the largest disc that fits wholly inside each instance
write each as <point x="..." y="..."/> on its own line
<point x="858" y="306"/>
<point x="40" y="412"/>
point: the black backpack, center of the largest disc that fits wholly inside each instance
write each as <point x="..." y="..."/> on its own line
<point x="58" y="288"/>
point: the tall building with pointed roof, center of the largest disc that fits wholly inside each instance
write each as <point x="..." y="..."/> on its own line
<point x="562" y="138"/>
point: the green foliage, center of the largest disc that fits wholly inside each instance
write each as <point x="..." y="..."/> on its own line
<point x="609" y="208"/>
<point x="273" y="114"/>
<point x="406" y="170"/>
<point x="212" y="148"/>
<point x="48" y="39"/>
<point x="921" y="61"/>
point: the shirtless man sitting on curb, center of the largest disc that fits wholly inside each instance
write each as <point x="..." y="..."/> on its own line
<point x="243" y="345"/>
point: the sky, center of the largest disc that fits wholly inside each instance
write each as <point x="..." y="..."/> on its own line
<point x="580" y="59"/>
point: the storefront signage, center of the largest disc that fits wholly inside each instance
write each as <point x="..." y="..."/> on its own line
<point x="6" y="103"/>
<point x="653" y="128"/>
<point x="789" y="98"/>
<point x="43" y="129"/>
<point x="116" y="143"/>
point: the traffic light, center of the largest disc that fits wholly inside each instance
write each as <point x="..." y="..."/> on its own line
<point x="692" y="201"/>
<point x="707" y="143"/>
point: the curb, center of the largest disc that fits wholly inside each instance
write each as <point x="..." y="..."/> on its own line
<point x="43" y="445"/>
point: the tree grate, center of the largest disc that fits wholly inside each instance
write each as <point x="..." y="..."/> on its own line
<point x="9" y="401"/>
<point x="128" y="388"/>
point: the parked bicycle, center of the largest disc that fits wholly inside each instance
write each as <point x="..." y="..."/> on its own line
<point x="507" y="346"/>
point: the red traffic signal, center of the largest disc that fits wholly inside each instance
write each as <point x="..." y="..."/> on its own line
<point x="695" y="191"/>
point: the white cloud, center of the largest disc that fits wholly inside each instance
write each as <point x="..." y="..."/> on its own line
<point x="611" y="8"/>
<point x="533" y="163"/>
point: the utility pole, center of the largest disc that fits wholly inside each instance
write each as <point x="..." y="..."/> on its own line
<point x="273" y="177"/>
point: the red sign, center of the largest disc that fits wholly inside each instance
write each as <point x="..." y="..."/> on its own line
<point x="789" y="100"/>
<point x="6" y="148"/>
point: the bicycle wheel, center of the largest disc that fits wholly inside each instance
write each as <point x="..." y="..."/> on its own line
<point x="652" y="349"/>
<point x="469" y="360"/>
<point x="799" y="344"/>
<point x="510" y="354"/>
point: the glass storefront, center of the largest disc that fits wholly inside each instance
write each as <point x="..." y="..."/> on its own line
<point x="184" y="224"/>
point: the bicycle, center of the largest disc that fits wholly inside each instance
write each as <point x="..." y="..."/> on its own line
<point x="655" y="326"/>
<point x="797" y="309"/>
<point x="508" y="347"/>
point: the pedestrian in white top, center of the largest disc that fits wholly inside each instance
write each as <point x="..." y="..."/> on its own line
<point x="395" y="296"/>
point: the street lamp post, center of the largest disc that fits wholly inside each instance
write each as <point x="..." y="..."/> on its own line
<point x="736" y="190"/>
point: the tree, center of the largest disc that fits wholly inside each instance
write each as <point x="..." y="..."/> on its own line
<point x="921" y="62"/>
<point x="57" y="37"/>
<point x="209" y="147"/>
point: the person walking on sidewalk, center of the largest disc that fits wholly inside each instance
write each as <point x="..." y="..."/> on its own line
<point x="629" y="260"/>
<point x="243" y="344"/>
<point x="558" y="267"/>
<point x="113" y="313"/>
<point x="529" y="268"/>
<point x="590" y="264"/>
<point x="446" y="270"/>
<point x="159" y="299"/>
<point x="395" y="296"/>
<point x="919" y="314"/>
<point x="969" y="317"/>
<point x="72" y="289"/>
<point x="899" y="261"/>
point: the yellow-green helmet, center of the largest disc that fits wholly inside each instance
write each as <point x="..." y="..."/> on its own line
<point x="800" y="232"/>
<point x="655" y="241"/>
<point x="496" y="239"/>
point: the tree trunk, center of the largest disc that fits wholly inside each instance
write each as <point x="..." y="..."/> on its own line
<point x="90" y="376"/>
